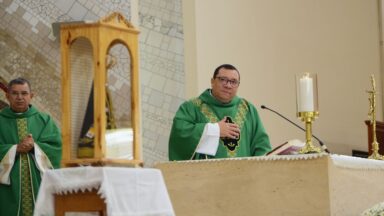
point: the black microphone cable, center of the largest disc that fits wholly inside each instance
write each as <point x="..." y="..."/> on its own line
<point x="323" y="146"/>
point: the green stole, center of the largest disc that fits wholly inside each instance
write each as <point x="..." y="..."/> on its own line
<point x="27" y="199"/>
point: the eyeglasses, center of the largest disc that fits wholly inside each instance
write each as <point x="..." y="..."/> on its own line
<point x="16" y="94"/>
<point x="224" y="80"/>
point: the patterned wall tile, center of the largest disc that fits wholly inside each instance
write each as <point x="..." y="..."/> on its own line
<point x="158" y="58"/>
<point x="29" y="48"/>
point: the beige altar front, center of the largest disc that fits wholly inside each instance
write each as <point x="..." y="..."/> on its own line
<point x="314" y="184"/>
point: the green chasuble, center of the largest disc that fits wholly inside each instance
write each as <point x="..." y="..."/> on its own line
<point x="193" y="115"/>
<point x="20" y="173"/>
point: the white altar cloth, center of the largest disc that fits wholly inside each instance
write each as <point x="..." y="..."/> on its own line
<point x="290" y="185"/>
<point x="126" y="191"/>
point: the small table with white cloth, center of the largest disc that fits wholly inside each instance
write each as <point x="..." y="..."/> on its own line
<point x="125" y="191"/>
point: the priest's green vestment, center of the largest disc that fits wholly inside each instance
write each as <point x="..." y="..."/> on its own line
<point x="20" y="173"/>
<point x="193" y="115"/>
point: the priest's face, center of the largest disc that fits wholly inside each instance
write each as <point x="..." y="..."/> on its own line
<point x="19" y="97"/>
<point x="225" y="85"/>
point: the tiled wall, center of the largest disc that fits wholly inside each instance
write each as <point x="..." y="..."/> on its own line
<point x="29" y="48"/>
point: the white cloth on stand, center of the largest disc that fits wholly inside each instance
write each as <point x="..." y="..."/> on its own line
<point x="126" y="191"/>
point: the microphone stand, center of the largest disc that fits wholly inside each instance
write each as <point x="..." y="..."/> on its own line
<point x="323" y="146"/>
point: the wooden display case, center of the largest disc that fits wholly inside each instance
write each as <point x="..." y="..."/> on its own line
<point x="97" y="94"/>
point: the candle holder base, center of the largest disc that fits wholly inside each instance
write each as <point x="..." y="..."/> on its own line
<point x="308" y="118"/>
<point x="375" y="152"/>
<point x="376" y="156"/>
<point x="309" y="148"/>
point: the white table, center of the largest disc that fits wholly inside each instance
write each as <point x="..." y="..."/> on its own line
<point x="125" y="191"/>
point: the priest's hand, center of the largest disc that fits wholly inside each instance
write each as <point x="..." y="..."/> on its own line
<point x="228" y="130"/>
<point x="26" y="144"/>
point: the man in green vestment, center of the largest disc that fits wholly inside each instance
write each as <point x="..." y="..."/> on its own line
<point x="218" y="124"/>
<point x="30" y="143"/>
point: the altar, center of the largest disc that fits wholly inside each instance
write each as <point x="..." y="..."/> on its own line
<point x="312" y="184"/>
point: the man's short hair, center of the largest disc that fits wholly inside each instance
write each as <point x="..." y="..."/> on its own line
<point x="19" y="81"/>
<point x="226" y="66"/>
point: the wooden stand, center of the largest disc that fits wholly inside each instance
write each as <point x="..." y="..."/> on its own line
<point x="379" y="136"/>
<point x="79" y="202"/>
<point x="100" y="37"/>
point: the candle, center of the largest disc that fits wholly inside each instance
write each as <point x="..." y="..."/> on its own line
<point x="306" y="94"/>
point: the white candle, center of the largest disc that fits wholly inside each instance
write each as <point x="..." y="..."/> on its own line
<point x="306" y="94"/>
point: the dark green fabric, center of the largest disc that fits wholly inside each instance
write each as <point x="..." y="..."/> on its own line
<point x="45" y="134"/>
<point x="189" y="123"/>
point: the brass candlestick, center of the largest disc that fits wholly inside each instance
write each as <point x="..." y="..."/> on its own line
<point x="308" y="118"/>
<point x="307" y="107"/>
<point x="372" y="114"/>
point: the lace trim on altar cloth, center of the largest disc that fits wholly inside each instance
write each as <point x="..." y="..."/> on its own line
<point x="260" y="158"/>
<point x="64" y="182"/>
<point x="342" y="161"/>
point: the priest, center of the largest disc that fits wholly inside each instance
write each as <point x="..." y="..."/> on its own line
<point x="218" y="123"/>
<point x="30" y="143"/>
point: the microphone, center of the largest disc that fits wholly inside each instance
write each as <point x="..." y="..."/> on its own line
<point x="323" y="146"/>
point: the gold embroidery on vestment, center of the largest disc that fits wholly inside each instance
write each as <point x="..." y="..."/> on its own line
<point x="239" y="119"/>
<point x="25" y="178"/>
